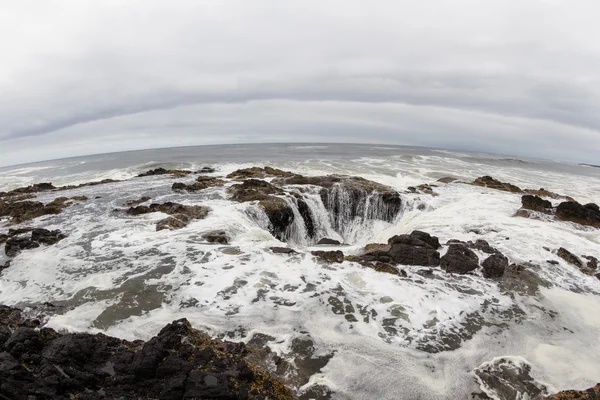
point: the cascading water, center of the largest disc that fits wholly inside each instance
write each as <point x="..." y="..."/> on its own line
<point x="348" y="215"/>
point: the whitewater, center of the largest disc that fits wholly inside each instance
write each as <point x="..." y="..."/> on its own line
<point x="377" y="335"/>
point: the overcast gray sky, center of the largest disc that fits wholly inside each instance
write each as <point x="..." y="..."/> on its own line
<point x="513" y="76"/>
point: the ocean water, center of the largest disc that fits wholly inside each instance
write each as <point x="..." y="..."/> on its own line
<point x="116" y="274"/>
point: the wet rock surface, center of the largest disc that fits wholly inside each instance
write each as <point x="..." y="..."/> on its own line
<point x="535" y="203"/>
<point x="180" y="215"/>
<point x="459" y="259"/>
<point x="201" y="183"/>
<point x="592" y="393"/>
<point x="163" y="171"/>
<point x="137" y="202"/>
<point x="38" y="236"/>
<point x="20" y="211"/>
<point x="582" y="214"/>
<point x="178" y="363"/>
<point x="259" y="173"/>
<point x="494" y="266"/>
<point x="489" y="182"/>
<point x="509" y="378"/>
<point x="336" y="256"/>
<point x="327" y="241"/>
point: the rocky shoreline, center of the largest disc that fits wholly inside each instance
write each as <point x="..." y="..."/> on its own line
<point x="184" y="363"/>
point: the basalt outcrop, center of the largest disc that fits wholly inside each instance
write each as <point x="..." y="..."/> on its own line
<point x="163" y="171"/>
<point x="202" y="182"/>
<point x="180" y="215"/>
<point x="37" y="237"/>
<point x="178" y="363"/>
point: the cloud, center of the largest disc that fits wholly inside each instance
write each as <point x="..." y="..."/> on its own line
<point x="79" y="77"/>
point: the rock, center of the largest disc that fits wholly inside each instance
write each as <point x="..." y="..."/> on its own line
<point x="253" y="190"/>
<point x="38" y="236"/>
<point x="202" y="182"/>
<point x="546" y="193"/>
<point x="180" y="362"/>
<point x="459" y="259"/>
<point x="418" y="248"/>
<point x="447" y="179"/>
<point x="575" y="212"/>
<point x="494" y="266"/>
<point x="509" y="378"/>
<point x="35" y="188"/>
<point x="216" y="237"/>
<point x="482" y="245"/>
<point x="330" y="256"/>
<point x="177" y="221"/>
<point x="5" y="265"/>
<point x="432" y="241"/>
<point x="283" y="250"/>
<point x="522" y="279"/>
<point x="3" y="237"/>
<point x="21" y="211"/>
<point x="489" y="182"/>
<point x="376" y="247"/>
<point x="44" y="236"/>
<point x="552" y="262"/>
<point x="592" y="263"/>
<point x="94" y="183"/>
<point x="207" y="170"/>
<point x="535" y="203"/>
<point x="569" y="257"/>
<point x="257" y="172"/>
<point x="80" y="198"/>
<point x="329" y="241"/>
<point x="180" y="215"/>
<point x="163" y="171"/>
<point x="587" y="394"/>
<point x="131" y="203"/>
<point x="14" y="245"/>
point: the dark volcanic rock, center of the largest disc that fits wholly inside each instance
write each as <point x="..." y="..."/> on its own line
<point x="569" y="257"/>
<point x="216" y="237"/>
<point x="330" y="256"/>
<point x="202" y="182"/>
<point x="257" y="172"/>
<point x="131" y="203"/>
<point x="459" y="259"/>
<point x="207" y="170"/>
<point x="489" y="182"/>
<point x="575" y="212"/>
<point x="38" y="236"/>
<point x="447" y="179"/>
<point x="432" y="241"/>
<point x="283" y="250"/>
<point x="20" y="211"/>
<point x="508" y="378"/>
<point x="328" y="241"/>
<point x="482" y="245"/>
<point x="413" y="250"/>
<point x="535" y="203"/>
<point x="163" y="171"/>
<point x="178" y="363"/>
<point x="180" y="215"/>
<point x="587" y="394"/>
<point x="494" y="266"/>
<point x="252" y="190"/>
<point x="35" y="188"/>
<point x="546" y="193"/>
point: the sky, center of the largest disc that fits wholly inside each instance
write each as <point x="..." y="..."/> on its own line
<point x="515" y="77"/>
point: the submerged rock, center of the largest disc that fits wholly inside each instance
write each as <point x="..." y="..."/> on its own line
<point x="283" y="250"/>
<point x="509" y="378"/>
<point x="459" y="259"/>
<point x="38" y="236"/>
<point x="489" y="182"/>
<point x="569" y="257"/>
<point x="546" y="193"/>
<point x="137" y="202"/>
<point x="216" y="237"/>
<point x="582" y="214"/>
<point x="330" y="256"/>
<point x="178" y="363"/>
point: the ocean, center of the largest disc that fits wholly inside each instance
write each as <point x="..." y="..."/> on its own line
<point x="377" y="335"/>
